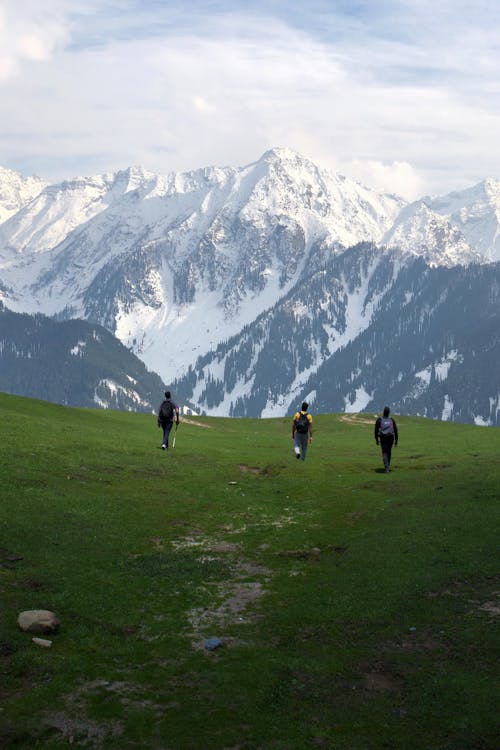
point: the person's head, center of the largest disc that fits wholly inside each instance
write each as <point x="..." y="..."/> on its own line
<point x="305" y="406"/>
<point x="168" y="394"/>
<point x="387" y="411"/>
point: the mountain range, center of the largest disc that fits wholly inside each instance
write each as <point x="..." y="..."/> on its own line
<point x="247" y="289"/>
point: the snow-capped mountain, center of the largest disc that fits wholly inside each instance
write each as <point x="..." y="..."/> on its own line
<point x="370" y="328"/>
<point x="16" y="191"/>
<point x="428" y="234"/>
<point x="176" y="264"/>
<point x="476" y="213"/>
<point x="240" y="285"/>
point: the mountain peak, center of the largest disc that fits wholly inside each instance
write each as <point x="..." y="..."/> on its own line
<point x="283" y="153"/>
<point x="475" y="211"/>
<point x="421" y="231"/>
<point x="16" y="191"/>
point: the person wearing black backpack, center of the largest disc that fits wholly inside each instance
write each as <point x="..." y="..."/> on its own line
<point x="302" y="433"/>
<point x="167" y="412"/>
<point x="386" y="434"/>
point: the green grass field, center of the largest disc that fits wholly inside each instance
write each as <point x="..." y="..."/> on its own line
<point x="356" y="610"/>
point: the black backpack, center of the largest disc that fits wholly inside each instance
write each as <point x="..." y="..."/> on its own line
<point x="167" y="412"/>
<point x="302" y="423"/>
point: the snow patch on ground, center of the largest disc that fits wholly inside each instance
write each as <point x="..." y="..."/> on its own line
<point x="481" y="422"/>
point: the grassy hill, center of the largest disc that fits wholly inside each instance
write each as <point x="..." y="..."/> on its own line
<point x="356" y="610"/>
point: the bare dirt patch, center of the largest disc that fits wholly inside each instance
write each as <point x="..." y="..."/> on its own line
<point x="357" y="418"/>
<point x="481" y="594"/>
<point x="82" y="731"/>
<point x="188" y="420"/>
<point x="7" y="649"/>
<point x="9" y="559"/>
<point x="233" y="609"/>
<point x="492" y="608"/>
<point x="302" y="554"/>
<point x="417" y="642"/>
<point x="231" y="603"/>
<point x="356" y="516"/>
<point x="249" y="469"/>
<point x="31" y="584"/>
<point x="223" y="547"/>
<point x="73" y="725"/>
<point x="157" y="542"/>
<point x="381" y="682"/>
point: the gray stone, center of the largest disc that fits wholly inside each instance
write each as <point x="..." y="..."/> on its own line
<point x="42" y="642"/>
<point x="212" y="643"/>
<point x="38" y="621"/>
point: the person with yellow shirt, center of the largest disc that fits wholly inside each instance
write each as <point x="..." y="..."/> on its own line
<point x="302" y="433"/>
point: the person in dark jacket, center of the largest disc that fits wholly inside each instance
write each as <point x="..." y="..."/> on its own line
<point x="386" y="435"/>
<point x="167" y="413"/>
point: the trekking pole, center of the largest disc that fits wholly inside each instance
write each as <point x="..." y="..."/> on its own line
<point x="175" y="434"/>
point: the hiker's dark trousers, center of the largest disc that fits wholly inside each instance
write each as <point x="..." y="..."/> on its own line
<point x="167" y="426"/>
<point x="386" y="443"/>
<point x="300" y="443"/>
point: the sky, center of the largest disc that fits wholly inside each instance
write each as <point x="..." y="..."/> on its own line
<point x="401" y="95"/>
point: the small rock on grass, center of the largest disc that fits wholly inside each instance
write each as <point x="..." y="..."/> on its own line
<point x="38" y="621"/>
<point x="42" y="642"/>
<point x="212" y="643"/>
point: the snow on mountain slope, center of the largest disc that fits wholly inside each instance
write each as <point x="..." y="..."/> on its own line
<point x="287" y="184"/>
<point x="16" y="191"/>
<point x="423" y="232"/>
<point x="53" y="248"/>
<point x="476" y="213"/>
<point x="254" y="247"/>
<point x="189" y="258"/>
<point x="264" y="368"/>
<point x="243" y="284"/>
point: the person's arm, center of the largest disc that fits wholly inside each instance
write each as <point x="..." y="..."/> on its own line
<point x="310" y="428"/>
<point x="395" y="432"/>
<point x="293" y="429"/>
<point x="377" y="426"/>
<point x="176" y="410"/>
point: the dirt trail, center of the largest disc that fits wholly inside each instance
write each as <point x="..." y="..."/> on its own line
<point x="188" y="420"/>
<point x="356" y="418"/>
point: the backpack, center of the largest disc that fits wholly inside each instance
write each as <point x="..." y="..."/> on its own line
<point x="167" y="412"/>
<point x="302" y="423"/>
<point x="386" y="426"/>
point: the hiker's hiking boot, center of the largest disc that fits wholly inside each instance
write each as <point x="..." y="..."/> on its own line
<point x="164" y="447"/>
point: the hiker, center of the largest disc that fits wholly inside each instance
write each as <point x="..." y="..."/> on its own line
<point x="167" y="412"/>
<point x="386" y="433"/>
<point x="302" y="433"/>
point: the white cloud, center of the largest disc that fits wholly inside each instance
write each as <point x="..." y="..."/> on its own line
<point x="29" y="31"/>
<point x="399" y="177"/>
<point x="391" y="99"/>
